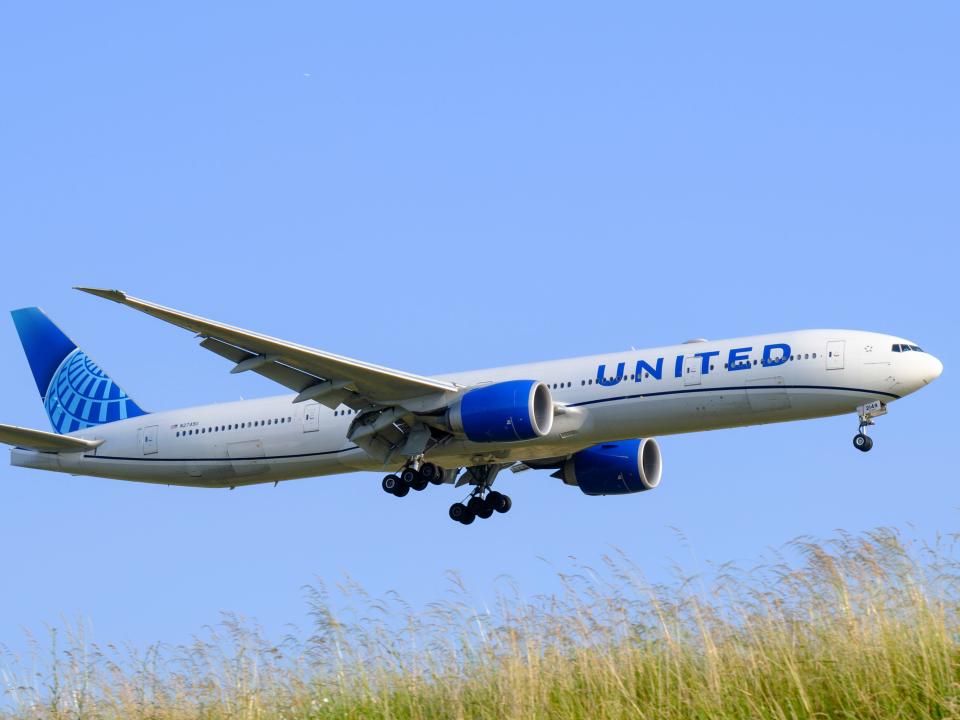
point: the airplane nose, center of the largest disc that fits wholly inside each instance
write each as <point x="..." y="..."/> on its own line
<point x="935" y="369"/>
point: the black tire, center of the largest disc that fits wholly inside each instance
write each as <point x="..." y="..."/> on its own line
<point x="468" y="517"/>
<point x="494" y="500"/>
<point x="390" y="484"/>
<point x="402" y="490"/>
<point x="505" y="505"/>
<point x="485" y="513"/>
<point x="431" y="473"/>
<point x="420" y="484"/>
<point x="457" y="511"/>
<point x="409" y="476"/>
<point x="869" y="444"/>
<point x="476" y="505"/>
<point x="862" y="442"/>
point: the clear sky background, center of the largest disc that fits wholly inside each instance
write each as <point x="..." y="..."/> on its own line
<point x="436" y="187"/>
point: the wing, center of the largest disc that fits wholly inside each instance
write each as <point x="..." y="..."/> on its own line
<point x="313" y="374"/>
<point x="44" y="441"/>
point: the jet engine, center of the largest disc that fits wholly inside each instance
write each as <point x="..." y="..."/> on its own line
<point x="614" y="468"/>
<point x="504" y="412"/>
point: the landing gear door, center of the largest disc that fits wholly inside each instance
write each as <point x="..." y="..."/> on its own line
<point x="691" y="370"/>
<point x="148" y="439"/>
<point x="311" y="417"/>
<point x="835" y="350"/>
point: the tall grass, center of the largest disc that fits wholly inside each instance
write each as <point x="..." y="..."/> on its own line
<point x="857" y="627"/>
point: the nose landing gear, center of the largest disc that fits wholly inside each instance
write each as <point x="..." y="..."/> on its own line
<point x="861" y="441"/>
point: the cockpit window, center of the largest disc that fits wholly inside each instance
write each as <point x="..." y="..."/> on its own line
<point x="915" y="348"/>
<point x="896" y="348"/>
<point x="903" y="347"/>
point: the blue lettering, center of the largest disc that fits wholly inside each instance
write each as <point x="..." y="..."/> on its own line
<point x="678" y="367"/>
<point x="655" y="372"/>
<point x="602" y="379"/>
<point x="784" y="354"/>
<point x="738" y="358"/>
<point x="705" y="367"/>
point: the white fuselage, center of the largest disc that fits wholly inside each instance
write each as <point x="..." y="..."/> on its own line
<point x="603" y="398"/>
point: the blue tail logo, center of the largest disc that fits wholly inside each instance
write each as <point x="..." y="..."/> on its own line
<point x="76" y="393"/>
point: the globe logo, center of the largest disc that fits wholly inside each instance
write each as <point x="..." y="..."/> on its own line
<point x="81" y="395"/>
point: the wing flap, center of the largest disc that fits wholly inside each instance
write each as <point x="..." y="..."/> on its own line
<point x="375" y="383"/>
<point x="285" y="375"/>
<point x="44" y="441"/>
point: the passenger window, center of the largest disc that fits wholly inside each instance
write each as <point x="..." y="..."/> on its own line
<point x="814" y="356"/>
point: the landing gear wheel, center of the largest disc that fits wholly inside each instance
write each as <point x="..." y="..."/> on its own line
<point x="390" y="484"/>
<point x="461" y="513"/>
<point x="413" y="478"/>
<point x="402" y="489"/>
<point x="498" y="501"/>
<point x="476" y="505"/>
<point x="431" y="473"/>
<point x="862" y="442"/>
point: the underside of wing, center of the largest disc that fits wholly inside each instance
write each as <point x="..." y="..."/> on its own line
<point x="313" y="374"/>
<point x="393" y="407"/>
<point x="44" y="441"/>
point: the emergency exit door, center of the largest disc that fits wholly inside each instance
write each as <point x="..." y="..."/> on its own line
<point x="148" y="439"/>
<point x="835" y="350"/>
<point x="311" y="417"/>
<point x="691" y="370"/>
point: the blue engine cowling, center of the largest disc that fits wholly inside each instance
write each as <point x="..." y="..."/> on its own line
<point x="504" y="412"/>
<point x="615" y="468"/>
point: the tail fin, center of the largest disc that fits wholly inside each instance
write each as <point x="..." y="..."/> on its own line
<point x="76" y="393"/>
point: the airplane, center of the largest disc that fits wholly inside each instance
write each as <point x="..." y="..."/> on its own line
<point x="591" y="420"/>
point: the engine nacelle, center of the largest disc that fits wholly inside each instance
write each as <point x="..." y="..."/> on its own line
<point x="615" y="468"/>
<point x="504" y="412"/>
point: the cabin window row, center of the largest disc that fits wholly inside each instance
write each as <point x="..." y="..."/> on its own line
<point x="792" y="358"/>
<point x="234" y="426"/>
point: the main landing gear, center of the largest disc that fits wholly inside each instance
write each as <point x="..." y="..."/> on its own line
<point x="411" y="478"/>
<point x="480" y="505"/>
<point x="862" y="441"/>
<point x="482" y="502"/>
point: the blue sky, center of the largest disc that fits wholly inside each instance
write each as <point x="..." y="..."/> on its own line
<point x="437" y="187"/>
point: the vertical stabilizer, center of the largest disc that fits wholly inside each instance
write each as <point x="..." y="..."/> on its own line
<point x="76" y="393"/>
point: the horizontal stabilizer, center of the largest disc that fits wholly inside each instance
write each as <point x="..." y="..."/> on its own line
<point x="44" y="441"/>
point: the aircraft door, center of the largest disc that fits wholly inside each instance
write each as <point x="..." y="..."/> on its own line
<point x="148" y="439"/>
<point x="311" y="417"/>
<point x="835" y="350"/>
<point x="691" y="370"/>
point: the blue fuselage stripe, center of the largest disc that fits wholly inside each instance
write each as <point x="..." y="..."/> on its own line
<point x="733" y="388"/>
<point x="219" y="459"/>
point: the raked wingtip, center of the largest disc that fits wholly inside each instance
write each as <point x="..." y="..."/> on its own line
<point x="115" y="295"/>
